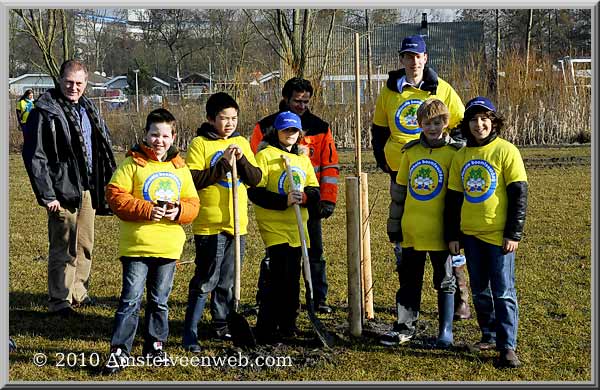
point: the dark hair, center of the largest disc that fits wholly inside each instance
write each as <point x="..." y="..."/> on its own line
<point x="161" y="115"/>
<point x="497" y="121"/>
<point x="296" y="84"/>
<point x="218" y="102"/>
<point x="27" y="92"/>
<point x="72" y="66"/>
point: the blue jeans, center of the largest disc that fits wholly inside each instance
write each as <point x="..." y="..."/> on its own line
<point x="215" y="258"/>
<point x="492" y="278"/>
<point x="157" y="275"/>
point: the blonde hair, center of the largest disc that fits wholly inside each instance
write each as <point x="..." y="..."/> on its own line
<point x="432" y="108"/>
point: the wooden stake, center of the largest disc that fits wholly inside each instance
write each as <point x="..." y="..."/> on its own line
<point x="353" y="253"/>
<point x="367" y="279"/>
<point x="357" y="136"/>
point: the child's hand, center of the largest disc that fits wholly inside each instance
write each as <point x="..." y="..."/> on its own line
<point x="509" y="245"/>
<point x="454" y="247"/>
<point x="232" y="151"/>
<point x="158" y="212"/>
<point x="172" y="212"/>
<point x="294" y="197"/>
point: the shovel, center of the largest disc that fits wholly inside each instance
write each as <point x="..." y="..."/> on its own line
<point x="317" y="325"/>
<point x="241" y="333"/>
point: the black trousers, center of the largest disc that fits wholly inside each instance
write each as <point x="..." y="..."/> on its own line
<point x="280" y="290"/>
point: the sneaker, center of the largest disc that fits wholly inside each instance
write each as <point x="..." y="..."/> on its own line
<point x="156" y="355"/>
<point x="485" y="345"/>
<point x="194" y="348"/>
<point x="393" y="337"/>
<point x="87" y="301"/>
<point x="323" y="308"/>
<point x="508" y="359"/>
<point x="223" y="333"/>
<point x="117" y="360"/>
<point x="66" y="312"/>
<point x="12" y="346"/>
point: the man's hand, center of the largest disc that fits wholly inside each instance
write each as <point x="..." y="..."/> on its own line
<point x="53" y="206"/>
<point x="158" y="212"/>
<point x="326" y="208"/>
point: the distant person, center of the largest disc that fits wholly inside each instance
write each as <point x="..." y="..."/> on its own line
<point x="318" y="138"/>
<point x="153" y="194"/>
<point x="274" y="199"/>
<point x="24" y="107"/>
<point x="485" y="212"/>
<point x="395" y="124"/>
<point x="68" y="155"/>
<point x="417" y="224"/>
<point x="210" y="157"/>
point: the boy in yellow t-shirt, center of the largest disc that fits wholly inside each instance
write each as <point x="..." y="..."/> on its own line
<point x="274" y="199"/>
<point x="209" y="157"/>
<point x="485" y="207"/>
<point x="153" y="194"/>
<point x="416" y="227"/>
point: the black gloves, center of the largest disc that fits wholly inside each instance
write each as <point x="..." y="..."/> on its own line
<point x="326" y="209"/>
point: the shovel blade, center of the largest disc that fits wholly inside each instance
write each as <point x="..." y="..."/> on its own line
<point x="241" y="333"/>
<point x="324" y="336"/>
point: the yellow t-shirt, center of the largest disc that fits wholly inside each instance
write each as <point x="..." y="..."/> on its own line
<point x="157" y="180"/>
<point x="216" y="207"/>
<point x="424" y="171"/>
<point x="25" y="106"/>
<point x="482" y="174"/>
<point x="398" y="112"/>
<point x="279" y="226"/>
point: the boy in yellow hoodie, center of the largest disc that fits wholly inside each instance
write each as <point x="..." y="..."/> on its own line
<point x="153" y="194"/>
<point x="210" y="157"/>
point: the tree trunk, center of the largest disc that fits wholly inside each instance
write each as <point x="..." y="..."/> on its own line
<point x="528" y="43"/>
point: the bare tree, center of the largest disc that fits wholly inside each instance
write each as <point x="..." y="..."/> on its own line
<point x="48" y="29"/>
<point x="288" y="33"/>
<point x="172" y="27"/>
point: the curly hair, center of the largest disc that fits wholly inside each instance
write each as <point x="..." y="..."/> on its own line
<point x="497" y="121"/>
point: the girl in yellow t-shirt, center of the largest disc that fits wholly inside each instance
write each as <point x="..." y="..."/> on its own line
<point x="274" y="199"/>
<point x="486" y="203"/>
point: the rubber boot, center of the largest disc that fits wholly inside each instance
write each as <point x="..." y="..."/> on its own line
<point x="462" y="311"/>
<point x="445" y="312"/>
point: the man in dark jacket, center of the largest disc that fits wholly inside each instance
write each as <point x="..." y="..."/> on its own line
<point x="68" y="156"/>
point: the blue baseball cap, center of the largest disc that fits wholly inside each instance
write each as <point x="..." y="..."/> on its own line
<point x="287" y="119"/>
<point x="480" y="102"/>
<point x="413" y="44"/>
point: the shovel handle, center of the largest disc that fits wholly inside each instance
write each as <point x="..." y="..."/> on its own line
<point x="305" y="260"/>
<point x="236" y="234"/>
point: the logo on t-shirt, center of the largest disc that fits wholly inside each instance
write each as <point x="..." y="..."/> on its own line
<point x="223" y="182"/>
<point x="164" y="186"/>
<point x="479" y="180"/>
<point x="298" y="177"/>
<point x="406" y="117"/>
<point x="426" y="179"/>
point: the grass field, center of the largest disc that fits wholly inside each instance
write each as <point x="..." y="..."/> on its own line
<point x="553" y="271"/>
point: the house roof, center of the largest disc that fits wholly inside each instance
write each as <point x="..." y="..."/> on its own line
<point x="23" y="76"/>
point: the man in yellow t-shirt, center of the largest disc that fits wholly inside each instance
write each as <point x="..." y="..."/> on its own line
<point x="210" y="158"/>
<point x="485" y="210"/>
<point x="395" y="123"/>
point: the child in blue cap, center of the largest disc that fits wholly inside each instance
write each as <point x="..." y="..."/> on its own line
<point x="485" y="210"/>
<point x="274" y="200"/>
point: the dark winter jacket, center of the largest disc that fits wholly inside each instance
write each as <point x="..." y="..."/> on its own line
<point x="52" y="155"/>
